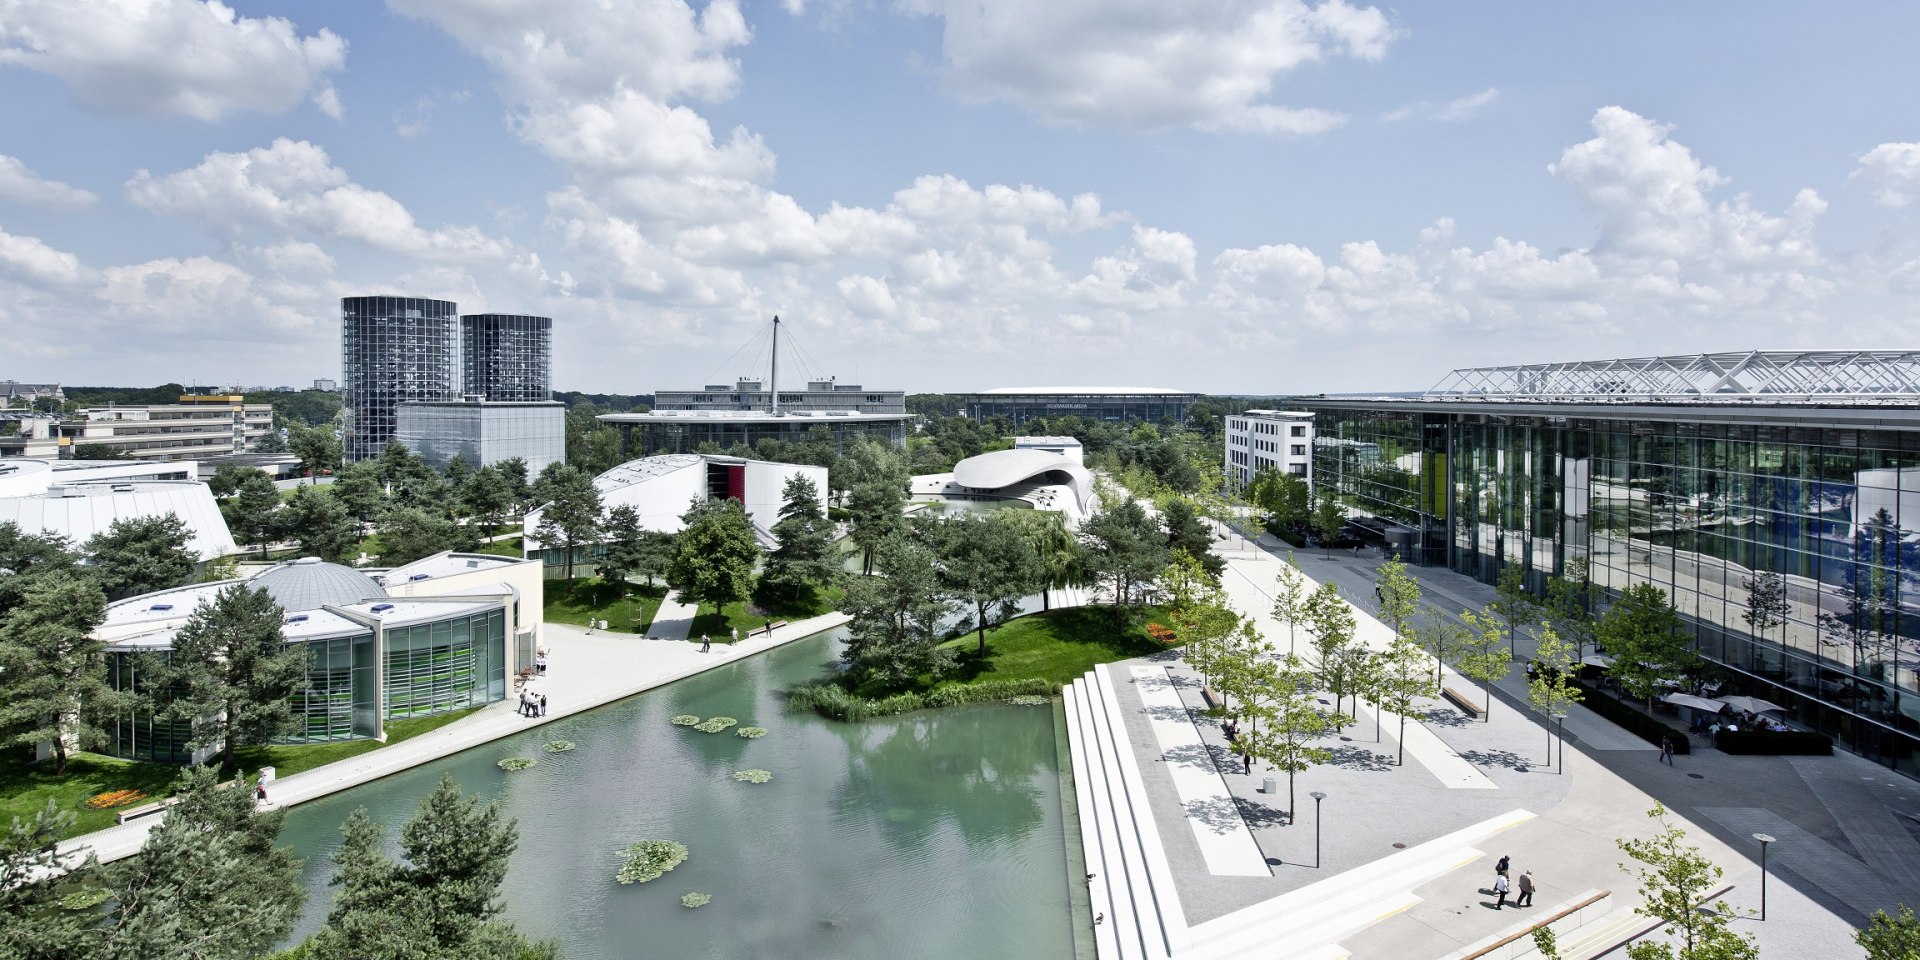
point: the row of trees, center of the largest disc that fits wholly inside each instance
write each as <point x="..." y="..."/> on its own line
<point x="210" y="884"/>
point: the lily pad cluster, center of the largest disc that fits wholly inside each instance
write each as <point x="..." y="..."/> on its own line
<point x="649" y="860"/>
<point x="696" y="899"/>
<point x="559" y="746"/>
<point x="751" y="733"/>
<point x="686" y="720"/>
<point x="517" y="763"/>
<point x="1029" y="700"/>
<point x="754" y="776"/>
<point x="715" y="724"/>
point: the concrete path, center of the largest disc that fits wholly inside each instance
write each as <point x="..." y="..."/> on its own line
<point x="1224" y="839"/>
<point x="584" y="671"/>
<point x="674" y="619"/>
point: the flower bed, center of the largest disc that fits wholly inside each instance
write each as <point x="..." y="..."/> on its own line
<point x="114" y="798"/>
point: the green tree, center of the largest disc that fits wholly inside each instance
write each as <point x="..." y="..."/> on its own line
<point x="141" y="555"/>
<point x="359" y="488"/>
<point x="894" y="636"/>
<point x="1290" y="598"/>
<point x="1404" y="681"/>
<point x="1676" y="880"/>
<point x="1124" y="547"/>
<point x="1550" y="687"/>
<point x="621" y="536"/>
<point x="1399" y="595"/>
<point x="253" y="511"/>
<point x="319" y="522"/>
<point x="985" y="562"/>
<point x="1061" y="562"/>
<point x="485" y="497"/>
<point x="1202" y="620"/>
<point x="1331" y="625"/>
<point x="410" y="533"/>
<point x="317" y="447"/>
<point x="410" y="480"/>
<point x="715" y="555"/>
<point x="803" y="555"/>
<point x="1515" y="603"/>
<point x="231" y="674"/>
<point x="208" y="885"/>
<point x="874" y="515"/>
<point x="1186" y="532"/>
<point x="1442" y="637"/>
<point x="1483" y="658"/>
<point x="25" y="557"/>
<point x="457" y="471"/>
<point x="53" y="671"/>
<point x="1287" y="743"/>
<point x="1569" y="605"/>
<point x="227" y="479"/>
<point x="1329" y="518"/>
<point x="1284" y="498"/>
<point x="33" y="926"/>
<point x="441" y="901"/>
<point x="514" y="471"/>
<point x="1895" y="937"/>
<point x="571" y="517"/>
<point x="1647" y="639"/>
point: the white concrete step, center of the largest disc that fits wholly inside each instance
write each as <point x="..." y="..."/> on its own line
<point x="1122" y="889"/>
<point x="1094" y="809"/>
<point x="1131" y="803"/>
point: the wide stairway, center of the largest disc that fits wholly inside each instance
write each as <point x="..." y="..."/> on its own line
<point x="1138" y="912"/>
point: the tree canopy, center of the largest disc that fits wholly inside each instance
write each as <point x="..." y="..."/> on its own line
<point x="232" y="675"/>
<point x="715" y="556"/>
<point x="141" y="555"/>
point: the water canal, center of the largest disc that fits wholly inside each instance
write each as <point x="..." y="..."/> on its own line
<point x="931" y="835"/>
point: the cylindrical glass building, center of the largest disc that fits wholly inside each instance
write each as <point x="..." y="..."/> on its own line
<point x="508" y="357"/>
<point x="393" y="349"/>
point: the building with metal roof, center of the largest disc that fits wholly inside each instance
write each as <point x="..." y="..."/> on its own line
<point x="1107" y="404"/>
<point x="40" y="496"/>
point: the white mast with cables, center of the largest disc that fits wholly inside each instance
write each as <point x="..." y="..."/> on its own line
<point x="773" y="374"/>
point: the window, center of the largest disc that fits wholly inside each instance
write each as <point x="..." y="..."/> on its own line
<point x="1299" y="449"/>
<point x="1299" y="431"/>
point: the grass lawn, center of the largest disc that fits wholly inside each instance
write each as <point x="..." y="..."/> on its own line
<point x="505" y="548"/>
<point x="1057" y="646"/>
<point x="590" y="598"/>
<point x="289" y="759"/>
<point x="749" y="617"/>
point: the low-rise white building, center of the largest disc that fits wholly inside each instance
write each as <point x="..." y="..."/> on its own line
<point x="1065" y="446"/>
<point x="1037" y="478"/>
<point x="77" y="500"/>
<point x="1269" y="440"/>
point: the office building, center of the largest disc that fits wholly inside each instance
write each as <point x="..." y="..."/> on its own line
<point x="688" y="431"/>
<point x="393" y="350"/>
<point x="326" y="385"/>
<point x="198" y="427"/>
<point x="485" y="432"/>
<point x="1269" y="440"/>
<point x="440" y="634"/>
<point x="1108" y="404"/>
<point x="1707" y="475"/>
<point x="507" y="357"/>
<point x="749" y="393"/>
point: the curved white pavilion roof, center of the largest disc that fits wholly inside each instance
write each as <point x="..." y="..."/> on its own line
<point x="1004" y="468"/>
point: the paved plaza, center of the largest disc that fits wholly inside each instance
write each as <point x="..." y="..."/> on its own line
<point x="586" y="669"/>
<point x="1402" y="862"/>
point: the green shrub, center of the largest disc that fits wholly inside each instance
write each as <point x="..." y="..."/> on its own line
<point x="696" y="900"/>
<point x="715" y="724"/>
<point x="649" y="859"/>
<point x="753" y="776"/>
<point x="685" y="720"/>
<point x="835" y="703"/>
<point x="751" y="733"/>
<point x="517" y="763"/>
<point x="559" y="746"/>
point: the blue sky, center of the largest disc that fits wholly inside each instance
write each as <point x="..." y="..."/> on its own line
<point x="1249" y="195"/>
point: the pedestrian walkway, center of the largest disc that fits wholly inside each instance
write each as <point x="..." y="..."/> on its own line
<point x="1224" y="839"/>
<point x="674" y="619"/>
<point x="584" y="671"/>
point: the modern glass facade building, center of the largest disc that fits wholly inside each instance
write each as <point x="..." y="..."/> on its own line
<point x="1708" y="476"/>
<point x="698" y="431"/>
<point x="426" y="638"/>
<point x="485" y="432"/>
<point x="507" y="357"/>
<point x="393" y="350"/>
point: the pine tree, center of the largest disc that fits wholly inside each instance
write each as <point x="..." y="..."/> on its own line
<point x="571" y="517"/>
<point x="252" y="512"/>
<point x="410" y="533"/>
<point x="208" y="885"/>
<point x="231" y="674"/>
<point x="24" y="557"/>
<point x="985" y="562"/>
<point x="319" y="522"/>
<point x="33" y="925"/>
<point x="141" y="555"/>
<point x="894" y="635"/>
<point x="53" y="672"/>
<point x="1186" y="532"/>
<point x="620" y="536"/>
<point x="1125" y="547"/>
<point x="803" y="556"/>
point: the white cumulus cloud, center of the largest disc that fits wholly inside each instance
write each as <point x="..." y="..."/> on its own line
<point x="186" y="57"/>
<point x="23" y="185"/>
<point x="1151" y="64"/>
<point x="1891" y="172"/>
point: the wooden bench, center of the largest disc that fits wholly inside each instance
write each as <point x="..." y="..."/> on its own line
<point x="771" y="625"/>
<point x="144" y="810"/>
<point x="1464" y="702"/>
<point x="1212" y="697"/>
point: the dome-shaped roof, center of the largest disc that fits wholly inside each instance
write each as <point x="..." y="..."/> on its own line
<point x="310" y="583"/>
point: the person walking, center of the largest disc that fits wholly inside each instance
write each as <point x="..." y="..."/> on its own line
<point x="1666" y="751"/>
<point x="1246" y="762"/>
<point x="1501" y="867"/>
<point x="736" y="636"/>
<point x="543" y="704"/>
<point x="706" y="643"/>
<point x="1525" y="899"/>
<point x="1500" y="891"/>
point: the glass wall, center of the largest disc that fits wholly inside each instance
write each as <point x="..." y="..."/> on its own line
<point x="337" y="702"/>
<point x="136" y="735"/>
<point x="1732" y="520"/>
<point x="446" y="665"/>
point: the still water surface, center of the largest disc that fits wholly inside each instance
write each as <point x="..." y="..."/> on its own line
<point x="932" y="835"/>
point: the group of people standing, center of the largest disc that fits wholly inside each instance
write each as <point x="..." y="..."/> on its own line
<point x="532" y="704"/>
<point x="1501" y="887"/>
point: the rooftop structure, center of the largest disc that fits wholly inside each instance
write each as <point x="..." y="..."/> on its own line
<point x="40" y="499"/>
<point x="685" y="431"/>
<point x="1064" y="446"/>
<point x="1762" y="376"/>
<point x="751" y="393"/>
<point x="1108" y="404"/>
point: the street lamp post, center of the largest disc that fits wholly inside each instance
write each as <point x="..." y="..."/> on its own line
<point x="1317" y="797"/>
<point x="1764" y="840"/>
<point x="1560" y="743"/>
